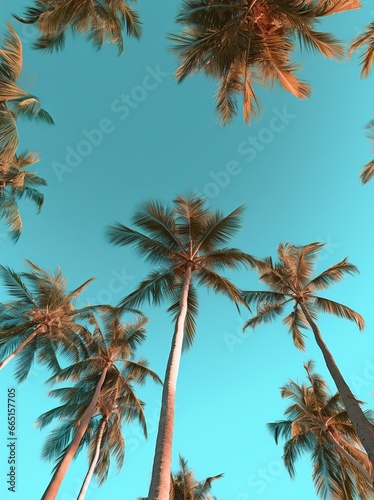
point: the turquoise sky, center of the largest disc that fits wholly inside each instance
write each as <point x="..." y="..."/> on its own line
<point x="300" y="185"/>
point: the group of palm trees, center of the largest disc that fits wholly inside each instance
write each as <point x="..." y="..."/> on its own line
<point x="240" y="43"/>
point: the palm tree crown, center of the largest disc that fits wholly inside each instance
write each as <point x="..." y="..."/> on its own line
<point x="42" y="319"/>
<point x="104" y="387"/>
<point x="184" y="485"/>
<point x="176" y="237"/>
<point x="15" y="183"/>
<point x="101" y="21"/>
<point x="317" y="423"/>
<point x="290" y="281"/>
<point x="242" y="43"/>
<point x="14" y="102"/>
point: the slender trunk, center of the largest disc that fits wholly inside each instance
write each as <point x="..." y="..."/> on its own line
<point x="363" y="427"/>
<point x="160" y="482"/>
<point x="95" y="459"/>
<point x="20" y="347"/>
<point x="349" y="457"/>
<point x="57" y="478"/>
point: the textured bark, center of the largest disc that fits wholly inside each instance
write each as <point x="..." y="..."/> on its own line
<point x="94" y="461"/>
<point x="363" y="427"/>
<point x="57" y="478"/>
<point x="19" y="348"/>
<point x="160" y="482"/>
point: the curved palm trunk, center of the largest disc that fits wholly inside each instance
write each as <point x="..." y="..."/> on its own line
<point x="363" y="427"/>
<point x="95" y="459"/>
<point x="57" y="478"/>
<point x="349" y="457"/>
<point x="160" y="482"/>
<point x="20" y="347"/>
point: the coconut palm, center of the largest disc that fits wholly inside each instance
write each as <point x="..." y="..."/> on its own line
<point x="291" y="283"/>
<point x="184" y="485"/>
<point x="107" y="374"/>
<point x="185" y="244"/>
<point x="317" y="423"/>
<point x="15" y="183"/>
<point x="14" y="101"/>
<point x="40" y="321"/>
<point x="244" y="43"/>
<point x="101" y="21"/>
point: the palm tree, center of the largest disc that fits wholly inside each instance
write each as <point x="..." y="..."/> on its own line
<point x="15" y="183"/>
<point x="290" y="281"/>
<point x="243" y="43"/>
<point x="185" y="243"/>
<point x="109" y="370"/>
<point x="40" y="320"/>
<point x="101" y="21"/>
<point x="14" y="102"/>
<point x="366" y="41"/>
<point x="184" y="485"/>
<point x="318" y="423"/>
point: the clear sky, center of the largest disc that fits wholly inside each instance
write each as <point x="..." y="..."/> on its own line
<point x="300" y="185"/>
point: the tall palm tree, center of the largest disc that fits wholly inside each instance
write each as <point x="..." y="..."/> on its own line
<point x="110" y="371"/>
<point x="185" y="243"/>
<point x="317" y="423"/>
<point x="243" y="43"/>
<point x="101" y="21"/>
<point x="184" y="485"/>
<point x="14" y="101"/>
<point x="366" y="41"/>
<point x="15" y="183"/>
<point x="41" y="320"/>
<point x="290" y="282"/>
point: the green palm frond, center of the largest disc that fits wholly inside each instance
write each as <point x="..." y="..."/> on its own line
<point x="333" y="274"/>
<point x="11" y="55"/>
<point x="365" y="41"/>
<point x="331" y="307"/>
<point x="8" y="135"/>
<point x="296" y="322"/>
<point x="41" y="305"/>
<point x="157" y="287"/>
<point x="265" y="314"/>
<point x="240" y="45"/>
<point x="102" y="22"/>
<point x="192" y="312"/>
<point x="219" y="229"/>
<point x="317" y="421"/>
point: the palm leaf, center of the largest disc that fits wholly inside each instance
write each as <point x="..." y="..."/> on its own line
<point x="331" y="307"/>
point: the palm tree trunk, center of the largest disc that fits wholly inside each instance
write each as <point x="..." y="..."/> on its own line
<point x="57" y="478"/>
<point x="20" y="347"/>
<point x="160" y="482"/>
<point x="349" y="457"/>
<point x="95" y="459"/>
<point x="363" y="427"/>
